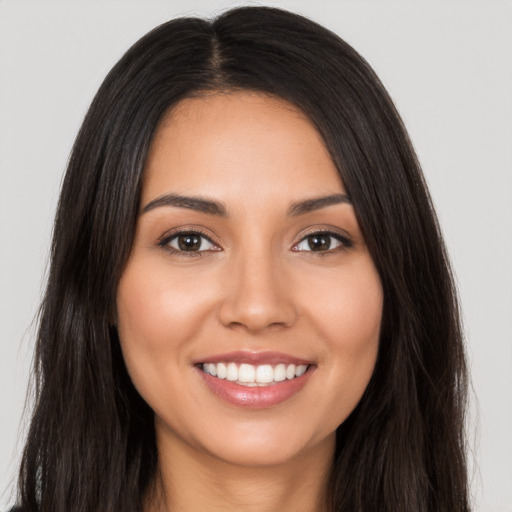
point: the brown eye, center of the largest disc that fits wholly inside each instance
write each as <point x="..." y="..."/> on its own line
<point x="190" y="242"/>
<point x="322" y="242"/>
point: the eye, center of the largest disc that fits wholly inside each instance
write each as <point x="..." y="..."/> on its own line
<point x="189" y="241"/>
<point x="322" y="242"/>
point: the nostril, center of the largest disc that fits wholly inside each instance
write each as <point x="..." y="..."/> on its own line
<point x="256" y="316"/>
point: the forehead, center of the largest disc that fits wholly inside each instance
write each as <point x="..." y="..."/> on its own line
<point x="232" y="145"/>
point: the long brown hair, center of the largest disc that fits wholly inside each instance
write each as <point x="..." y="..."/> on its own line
<point x="91" y="444"/>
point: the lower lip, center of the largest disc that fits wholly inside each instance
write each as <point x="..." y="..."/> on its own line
<point x="257" y="397"/>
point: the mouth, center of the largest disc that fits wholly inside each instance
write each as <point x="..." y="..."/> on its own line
<point x="255" y="380"/>
<point x="251" y="375"/>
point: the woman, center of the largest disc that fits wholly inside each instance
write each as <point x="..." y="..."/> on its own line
<point x="249" y="304"/>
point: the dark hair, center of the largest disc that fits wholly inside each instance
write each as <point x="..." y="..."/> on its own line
<point x="91" y="443"/>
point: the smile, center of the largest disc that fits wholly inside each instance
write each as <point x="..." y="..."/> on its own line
<point x="255" y="380"/>
<point x="254" y="375"/>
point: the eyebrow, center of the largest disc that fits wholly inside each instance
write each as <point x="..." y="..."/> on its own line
<point x="198" y="204"/>
<point x="309" y="205"/>
<point x="211" y="207"/>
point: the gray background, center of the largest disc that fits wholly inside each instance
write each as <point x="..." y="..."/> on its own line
<point x="447" y="64"/>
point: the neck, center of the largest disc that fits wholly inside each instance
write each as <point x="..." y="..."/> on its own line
<point x="189" y="480"/>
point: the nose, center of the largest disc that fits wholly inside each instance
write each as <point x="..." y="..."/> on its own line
<point x="257" y="295"/>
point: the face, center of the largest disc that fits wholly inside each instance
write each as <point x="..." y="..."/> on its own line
<point x="249" y="310"/>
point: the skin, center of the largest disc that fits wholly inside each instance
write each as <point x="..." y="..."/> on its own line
<point x="257" y="286"/>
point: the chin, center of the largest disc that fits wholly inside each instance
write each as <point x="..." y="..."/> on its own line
<point x="264" y="444"/>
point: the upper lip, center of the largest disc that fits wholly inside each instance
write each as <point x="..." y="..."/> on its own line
<point x="254" y="358"/>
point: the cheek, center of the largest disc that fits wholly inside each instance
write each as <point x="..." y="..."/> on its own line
<point x="155" y="306"/>
<point x="157" y="313"/>
<point x="348" y="308"/>
<point x="348" y="318"/>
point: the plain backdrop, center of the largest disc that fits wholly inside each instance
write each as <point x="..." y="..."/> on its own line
<point x="447" y="65"/>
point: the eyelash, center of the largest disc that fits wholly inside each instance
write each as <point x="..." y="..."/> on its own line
<point x="168" y="238"/>
<point x="345" y="243"/>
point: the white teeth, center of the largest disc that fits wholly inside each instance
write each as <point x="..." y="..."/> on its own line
<point x="301" y="370"/>
<point x="232" y="372"/>
<point x="265" y="374"/>
<point x="222" y="370"/>
<point x="246" y="373"/>
<point x="250" y="375"/>
<point x="280" y="373"/>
